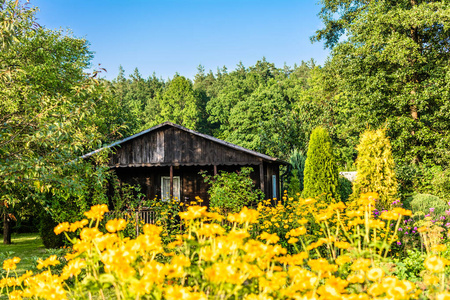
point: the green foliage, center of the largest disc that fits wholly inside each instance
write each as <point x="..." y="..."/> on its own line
<point x="345" y="188"/>
<point x="321" y="174"/>
<point x="298" y="160"/>
<point x="48" y="236"/>
<point x="375" y="167"/>
<point x="424" y="202"/>
<point x="411" y="266"/>
<point x="230" y="192"/>
<point x="294" y="186"/>
<point x="51" y="111"/>
<point x="434" y="180"/>
<point x="390" y="69"/>
<point x="179" y="103"/>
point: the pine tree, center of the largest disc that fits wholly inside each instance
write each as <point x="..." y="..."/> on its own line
<point x="321" y="174"/>
<point x="375" y="167"/>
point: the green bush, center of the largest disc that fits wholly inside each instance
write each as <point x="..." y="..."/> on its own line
<point x="230" y="192"/>
<point x="345" y="188"/>
<point x="423" y="203"/>
<point x="48" y="236"/>
<point x="294" y="186"/>
<point x="321" y="173"/>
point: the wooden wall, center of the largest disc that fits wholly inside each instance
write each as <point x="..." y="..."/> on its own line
<point x="172" y="146"/>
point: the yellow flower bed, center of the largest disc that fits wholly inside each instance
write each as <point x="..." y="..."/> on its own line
<point x="209" y="262"/>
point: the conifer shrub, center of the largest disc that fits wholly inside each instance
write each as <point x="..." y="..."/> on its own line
<point x="321" y="173"/>
<point x="427" y="204"/>
<point x="375" y="168"/>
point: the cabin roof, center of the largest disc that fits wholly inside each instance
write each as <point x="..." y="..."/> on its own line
<point x="205" y="136"/>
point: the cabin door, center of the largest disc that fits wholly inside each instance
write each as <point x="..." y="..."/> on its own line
<point x="165" y="188"/>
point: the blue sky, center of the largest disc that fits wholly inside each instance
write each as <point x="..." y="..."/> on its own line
<point x="170" y="36"/>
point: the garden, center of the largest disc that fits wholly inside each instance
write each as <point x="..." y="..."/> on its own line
<point x="377" y="107"/>
<point x="318" y="243"/>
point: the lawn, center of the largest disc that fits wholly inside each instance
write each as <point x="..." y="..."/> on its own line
<point x="27" y="246"/>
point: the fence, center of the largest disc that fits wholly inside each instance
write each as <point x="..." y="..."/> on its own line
<point x="146" y="215"/>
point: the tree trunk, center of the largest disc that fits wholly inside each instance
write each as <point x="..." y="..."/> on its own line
<point x="6" y="229"/>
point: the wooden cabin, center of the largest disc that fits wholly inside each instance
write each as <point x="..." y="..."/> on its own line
<point x="166" y="160"/>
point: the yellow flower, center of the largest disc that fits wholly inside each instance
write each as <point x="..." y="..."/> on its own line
<point x="88" y="234"/>
<point x="293" y="240"/>
<point x="389" y="215"/>
<point x="361" y="264"/>
<point x="343" y="259"/>
<point x="430" y="279"/>
<point x="61" y="228"/>
<point x="342" y="245"/>
<point x="443" y="296"/>
<point x="16" y="295"/>
<point x="51" y="261"/>
<point x="97" y="212"/>
<point x="73" y="268"/>
<point x="10" y="264"/>
<point x="355" y="278"/>
<point x="153" y="230"/>
<point x="78" y="224"/>
<point x="211" y="230"/>
<point x="270" y="238"/>
<point x="321" y="265"/>
<point x="116" y="225"/>
<point x="439" y="248"/>
<point x="402" y="211"/>
<point x="193" y="212"/>
<point x="375" y="289"/>
<point x="297" y="231"/>
<point x="422" y="229"/>
<point x="245" y="215"/>
<point x="339" y="206"/>
<point x="375" y="274"/>
<point x="434" y="264"/>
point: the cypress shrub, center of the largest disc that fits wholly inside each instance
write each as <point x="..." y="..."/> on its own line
<point x="375" y="168"/>
<point x="321" y="173"/>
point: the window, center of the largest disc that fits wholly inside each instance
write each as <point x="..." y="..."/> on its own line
<point x="274" y="186"/>
<point x="165" y="188"/>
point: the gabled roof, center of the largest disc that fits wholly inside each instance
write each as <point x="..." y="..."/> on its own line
<point x="205" y="136"/>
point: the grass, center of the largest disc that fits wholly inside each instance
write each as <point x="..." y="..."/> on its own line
<point x="27" y="246"/>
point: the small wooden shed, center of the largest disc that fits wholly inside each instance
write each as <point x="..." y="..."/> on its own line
<point x="166" y="160"/>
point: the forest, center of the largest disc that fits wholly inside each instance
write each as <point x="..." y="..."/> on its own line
<point x="389" y="70"/>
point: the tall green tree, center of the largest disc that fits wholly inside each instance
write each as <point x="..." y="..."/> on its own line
<point x="321" y="173"/>
<point x="390" y="60"/>
<point x="49" y="108"/>
<point x="179" y="103"/>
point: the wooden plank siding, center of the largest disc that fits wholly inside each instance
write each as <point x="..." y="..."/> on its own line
<point x="175" y="147"/>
